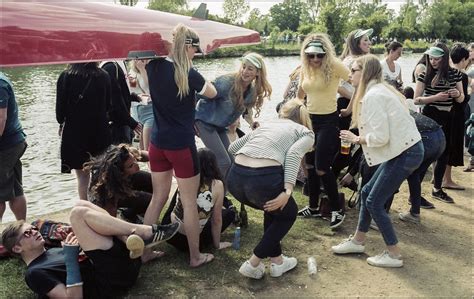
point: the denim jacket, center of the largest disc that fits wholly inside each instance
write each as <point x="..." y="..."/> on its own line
<point x="220" y="111"/>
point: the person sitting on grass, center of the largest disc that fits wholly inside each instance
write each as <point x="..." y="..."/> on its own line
<point x="109" y="270"/>
<point x="210" y="199"/>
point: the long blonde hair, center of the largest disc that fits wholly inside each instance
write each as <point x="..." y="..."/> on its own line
<point x="328" y="60"/>
<point x="371" y="71"/>
<point x="182" y="63"/>
<point x="296" y="111"/>
<point x="262" y="87"/>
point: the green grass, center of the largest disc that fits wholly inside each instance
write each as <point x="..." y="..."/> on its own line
<point x="171" y="276"/>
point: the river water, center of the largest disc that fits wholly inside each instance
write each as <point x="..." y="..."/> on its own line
<point x="46" y="189"/>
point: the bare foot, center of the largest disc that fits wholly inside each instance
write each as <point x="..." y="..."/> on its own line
<point x="150" y="255"/>
<point x="452" y="185"/>
<point x="205" y="258"/>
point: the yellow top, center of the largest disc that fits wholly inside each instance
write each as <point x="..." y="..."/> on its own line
<point x="321" y="95"/>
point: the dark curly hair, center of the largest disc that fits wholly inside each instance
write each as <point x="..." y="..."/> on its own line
<point x="108" y="183"/>
<point x="209" y="169"/>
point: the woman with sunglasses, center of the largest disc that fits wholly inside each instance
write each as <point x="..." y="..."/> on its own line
<point x="174" y="84"/>
<point x="321" y="72"/>
<point x="437" y="89"/>
<point x="238" y="93"/>
<point x="389" y="138"/>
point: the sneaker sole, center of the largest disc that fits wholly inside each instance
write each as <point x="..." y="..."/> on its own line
<point x="135" y="245"/>
<point x="348" y="252"/>
<point x="427" y="207"/>
<point x="249" y="275"/>
<point x="408" y="220"/>
<point x="384" y="265"/>
<point x="442" y="200"/>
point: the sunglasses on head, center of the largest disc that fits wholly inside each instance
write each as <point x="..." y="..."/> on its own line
<point x="319" y="55"/>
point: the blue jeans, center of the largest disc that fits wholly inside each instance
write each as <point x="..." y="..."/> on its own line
<point x="434" y="143"/>
<point x="385" y="181"/>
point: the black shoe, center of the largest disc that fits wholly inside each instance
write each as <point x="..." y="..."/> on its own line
<point x="442" y="196"/>
<point x="161" y="233"/>
<point x="337" y="217"/>
<point x="308" y="212"/>
<point x="424" y="204"/>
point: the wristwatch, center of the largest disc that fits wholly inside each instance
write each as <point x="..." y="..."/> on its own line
<point x="288" y="191"/>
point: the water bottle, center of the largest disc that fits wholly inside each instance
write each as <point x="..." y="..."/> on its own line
<point x="236" y="242"/>
<point x="312" y="267"/>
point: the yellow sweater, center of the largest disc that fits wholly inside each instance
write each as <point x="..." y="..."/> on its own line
<point x="321" y="95"/>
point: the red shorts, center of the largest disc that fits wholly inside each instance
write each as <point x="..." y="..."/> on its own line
<point x="184" y="162"/>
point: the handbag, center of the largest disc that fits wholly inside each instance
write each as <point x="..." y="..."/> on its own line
<point x="325" y="205"/>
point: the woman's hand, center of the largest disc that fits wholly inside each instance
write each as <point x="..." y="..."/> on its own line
<point x="224" y="245"/>
<point x="442" y="96"/>
<point x="71" y="240"/>
<point x="454" y="93"/>
<point x="347" y="135"/>
<point x="278" y="203"/>
<point x="344" y="113"/>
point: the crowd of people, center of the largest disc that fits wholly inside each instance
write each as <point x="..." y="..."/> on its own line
<point x="396" y="134"/>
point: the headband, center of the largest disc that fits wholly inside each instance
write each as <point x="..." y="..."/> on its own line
<point x="252" y="58"/>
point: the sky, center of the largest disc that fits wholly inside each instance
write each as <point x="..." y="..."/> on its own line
<point x="215" y="6"/>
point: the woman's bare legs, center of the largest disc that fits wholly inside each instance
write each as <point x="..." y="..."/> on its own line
<point x="188" y="189"/>
<point x="83" y="178"/>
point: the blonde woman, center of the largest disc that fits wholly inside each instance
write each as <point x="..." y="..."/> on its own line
<point x="264" y="175"/>
<point x="321" y="72"/>
<point x="237" y="93"/>
<point x="389" y="138"/>
<point x="143" y="110"/>
<point x="173" y="84"/>
<point x="357" y="44"/>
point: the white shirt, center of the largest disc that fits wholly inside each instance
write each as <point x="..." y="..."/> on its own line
<point x="387" y="73"/>
<point x="386" y="124"/>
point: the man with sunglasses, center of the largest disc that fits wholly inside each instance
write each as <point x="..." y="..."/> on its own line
<point x="109" y="270"/>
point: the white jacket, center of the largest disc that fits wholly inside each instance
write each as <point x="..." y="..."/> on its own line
<point x="386" y="124"/>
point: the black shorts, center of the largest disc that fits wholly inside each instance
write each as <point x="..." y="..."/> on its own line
<point x="112" y="272"/>
<point x="11" y="183"/>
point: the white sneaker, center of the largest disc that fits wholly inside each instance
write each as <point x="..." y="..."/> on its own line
<point x="348" y="246"/>
<point x="385" y="260"/>
<point x="409" y="217"/>
<point x="253" y="272"/>
<point x="288" y="264"/>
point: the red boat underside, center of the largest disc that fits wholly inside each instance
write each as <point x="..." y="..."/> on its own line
<point x="52" y="32"/>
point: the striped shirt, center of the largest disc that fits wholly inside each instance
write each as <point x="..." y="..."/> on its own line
<point x="281" y="140"/>
<point x="454" y="76"/>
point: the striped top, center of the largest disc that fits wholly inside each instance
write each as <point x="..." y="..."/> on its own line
<point x="454" y="76"/>
<point x="281" y="140"/>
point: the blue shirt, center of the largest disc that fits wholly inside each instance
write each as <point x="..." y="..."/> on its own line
<point x="174" y="116"/>
<point x="13" y="132"/>
<point x="221" y="111"/>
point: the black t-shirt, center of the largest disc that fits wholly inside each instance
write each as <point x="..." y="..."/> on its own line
<point x="48" y="270"/>
<point x="174" y="116"/>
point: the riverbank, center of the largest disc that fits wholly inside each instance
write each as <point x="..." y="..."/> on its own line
<point x="437" y="256"/>
<point x="268" y="49"/>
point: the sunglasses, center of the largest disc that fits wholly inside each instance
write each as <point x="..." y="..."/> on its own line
<point x="355" y="70"/>
<point x="28" y="233"/>
<point x="319" y="55"/>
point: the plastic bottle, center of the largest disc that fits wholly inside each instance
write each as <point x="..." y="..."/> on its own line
<point x="312" y="266"/>
<point x="236" y="242"/>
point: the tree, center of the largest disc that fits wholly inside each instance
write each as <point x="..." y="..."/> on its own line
<point x="333" y="16"/>
<point x="235" y="9"/>
<point x="257" y="22"/>
<point x="173" y="6"/>
<point x="435" y="23"/>
<point x="287" y="15"/>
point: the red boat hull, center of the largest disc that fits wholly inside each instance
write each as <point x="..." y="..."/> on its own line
<point x="37" y="33"/>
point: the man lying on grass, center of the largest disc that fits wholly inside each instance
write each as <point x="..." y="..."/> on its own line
<point x="109" y="269"/>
